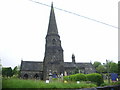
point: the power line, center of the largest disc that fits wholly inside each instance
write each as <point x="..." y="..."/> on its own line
<point x="78" y="15"/>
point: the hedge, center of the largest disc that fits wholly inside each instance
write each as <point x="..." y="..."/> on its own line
<point x="80" y="77"/>
<point x="66" y="78"/>
<point x="76" y="77"/>
<point x="95" y="77"/>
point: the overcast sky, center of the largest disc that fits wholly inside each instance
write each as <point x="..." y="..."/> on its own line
<point x="24" y="24"/>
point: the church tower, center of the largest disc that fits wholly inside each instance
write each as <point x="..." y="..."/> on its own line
<point x="53" y="59"/>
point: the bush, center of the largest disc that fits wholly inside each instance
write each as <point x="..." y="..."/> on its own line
<point x="7" y="72"/>
<point x="76" y="77"/>
<point x="80" y="77"/>
<point x="72" y="77"/>
<point x="95" y="77"/>
<point x="66" y="78"/>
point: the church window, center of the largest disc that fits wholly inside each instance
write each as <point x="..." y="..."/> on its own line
<point x="26" y="76"/>
<point x="36" y="76"/>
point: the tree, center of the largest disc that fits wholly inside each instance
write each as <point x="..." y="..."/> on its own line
<point x="119" y="67"/>
<point x="96" y="64"/>
<point x="75" y="71"/>
<point x="100" y="69"/>
<point x="15" y="70"/>
<point x="113" y="67"/>
<point x="7" y="71"/>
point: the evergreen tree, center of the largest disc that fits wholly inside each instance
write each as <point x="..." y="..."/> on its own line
<point x="7" y="72"/>
<point x="96" y="64"/>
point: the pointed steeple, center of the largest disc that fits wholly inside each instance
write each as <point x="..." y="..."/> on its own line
<point x="52" y="27"/>
<point x="53" y="60"/>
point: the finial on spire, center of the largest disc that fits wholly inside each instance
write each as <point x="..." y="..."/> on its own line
<point x="73" y="55"/>
<point x="52" y="5"/>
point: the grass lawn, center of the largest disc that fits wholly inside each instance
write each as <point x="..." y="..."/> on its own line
<point x="111" y="83"/>
<point x="20" y="83"/>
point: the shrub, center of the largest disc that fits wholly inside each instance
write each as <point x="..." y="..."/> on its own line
<point x="76" y="77"/>
<point x="66" y="78"/>
<point x="95" y="77"/>
<point x="80" y="77"/>
<point x="7" y="72"/>
<point x="72" y="77"/>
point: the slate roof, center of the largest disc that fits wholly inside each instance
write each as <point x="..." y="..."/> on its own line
<point x="70" y="64"/>
<point x="31" y="66"/>
<point x="87" y="65"/>
<point x="38" y="66"/>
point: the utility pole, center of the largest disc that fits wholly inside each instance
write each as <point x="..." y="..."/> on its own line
<point x="108" y="70"/>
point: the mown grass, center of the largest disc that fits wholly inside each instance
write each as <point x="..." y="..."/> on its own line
<point x="110" y="84"/>
<point x="20" y="83"/>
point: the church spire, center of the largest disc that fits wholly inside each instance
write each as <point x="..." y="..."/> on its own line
<point x="52" y="27"/>
<point x="53" y="60"/>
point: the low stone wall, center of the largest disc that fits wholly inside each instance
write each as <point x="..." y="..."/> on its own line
<point x="115" y="87"/>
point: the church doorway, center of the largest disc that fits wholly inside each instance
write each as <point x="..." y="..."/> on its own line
<point x="36" y="76"/>
<point x="25" y="76"/>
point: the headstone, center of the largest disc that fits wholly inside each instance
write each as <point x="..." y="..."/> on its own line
<point x="61" y="76"/>
<point x="47" y="81"/>
<point x="65" y="73"/>
<point x="78" y="82"/>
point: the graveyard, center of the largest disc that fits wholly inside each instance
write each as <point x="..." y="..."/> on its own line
<point x="72" y="81"/>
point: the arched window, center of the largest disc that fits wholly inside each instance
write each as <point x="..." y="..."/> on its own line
<point x="25" y="76"/>
<point x="36" y="76"/>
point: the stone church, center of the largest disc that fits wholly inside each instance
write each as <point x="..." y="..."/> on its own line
<point x="54" y="58"/>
